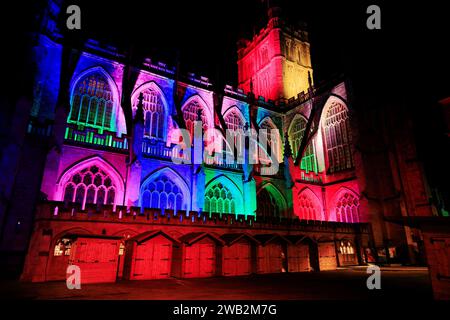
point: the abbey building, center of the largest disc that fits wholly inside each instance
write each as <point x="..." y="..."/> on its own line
<point x="110" y="199"/>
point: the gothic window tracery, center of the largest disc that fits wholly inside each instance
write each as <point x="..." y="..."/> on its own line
<point x="270" y="137"/>
<point x="154" y="113"/>
<point x="190" y="115"/>
<point x="233" y="120"/>
<point x="309" y="160"/>
<point x="92" y="103"/>
<point x="346" y="248"/>
<point x="347" y="209"/>
<point x="219" y="199"/>
<point x="347" y="252"/>
<point x="90" y="186"/>
<point x="162" y="193"/>
<point x="308" y="208"/>
<point x="338" y="138"/>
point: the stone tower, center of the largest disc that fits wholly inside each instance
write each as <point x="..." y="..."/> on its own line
<point x="276" y="62"/>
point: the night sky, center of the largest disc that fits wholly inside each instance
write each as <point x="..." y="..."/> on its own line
<point x="408" y="56"/>
<point x="409" y="53"/>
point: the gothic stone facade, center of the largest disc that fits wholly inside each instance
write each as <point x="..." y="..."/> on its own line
<point x="118" y="206"/>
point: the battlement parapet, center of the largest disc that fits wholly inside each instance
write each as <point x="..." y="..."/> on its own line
<point x="56" y="210"/>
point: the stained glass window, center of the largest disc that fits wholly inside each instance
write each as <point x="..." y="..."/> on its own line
<point x="218" y="199"/>
<point x="163" y="193"/>
<point x="347" y="209"/>
<point x="90" y="186"/>
<point x="297" y="130"/>
<point x="154" y="113"/>
<point x="190" y="115"/>
<point x="338" y="138"/>
<point x="233" y="120"/>
<point x="92" y="103"/>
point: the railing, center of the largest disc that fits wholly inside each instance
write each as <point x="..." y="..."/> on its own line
<point x="310" y="177"/>
<point x="219" y="161"/>
<point x="159" y="149"/>
<point x="93" y="138"/>
<point x="156" y="148"/>
<point x="270" y="170"/>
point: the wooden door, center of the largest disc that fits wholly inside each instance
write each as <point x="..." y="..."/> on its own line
<point x="298" y="258"/>
<point x="327" y="256"/>
<point x="97" y="259"/>
<point x="237" y="259"/>
<point x="200" y="259"/>
<point x="153" y="259"/>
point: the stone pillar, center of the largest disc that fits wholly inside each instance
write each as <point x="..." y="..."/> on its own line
<point x="135" y="168"/>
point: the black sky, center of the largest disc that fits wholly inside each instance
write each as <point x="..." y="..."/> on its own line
<point x="408" y="57"/>
<point x="410" y="52"/>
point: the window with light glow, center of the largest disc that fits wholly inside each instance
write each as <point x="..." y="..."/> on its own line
<point x="121" y="249"/>
<point x="62" y="247"/>
<point x="347" y="209"/>
<point x="309" y="160"/>
<point x="338" y="138"/>
<point x="154" y="114"/>
<point x="92" y="103"/>
<point x="346" y="248"/>
<point x="347" y="252"/>
<point x="90" y="186"/>
<point x="218" y="199"/>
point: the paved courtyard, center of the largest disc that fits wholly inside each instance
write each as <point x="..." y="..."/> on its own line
<point x="404" y="283"/>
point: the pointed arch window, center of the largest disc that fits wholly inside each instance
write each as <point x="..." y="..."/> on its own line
<point x="154" y="113"/>
<point x="270" y="136"/>
<point x="219" y="199"/>
<point x="163" y="193"/>
<point x="309" y="160"/>
<point x="308" y="208"/>
<point x="92" y="103"/>
<point x="190" y="115"/>
<point x="338" y="138"/>
<point x="264" y="56"/>
<point x="347" y="209"/>
<point x="346" y="248"/>
<point x="90" y="186"/>
<point x="267" y="205"/>
<point x="233" y="120"/>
